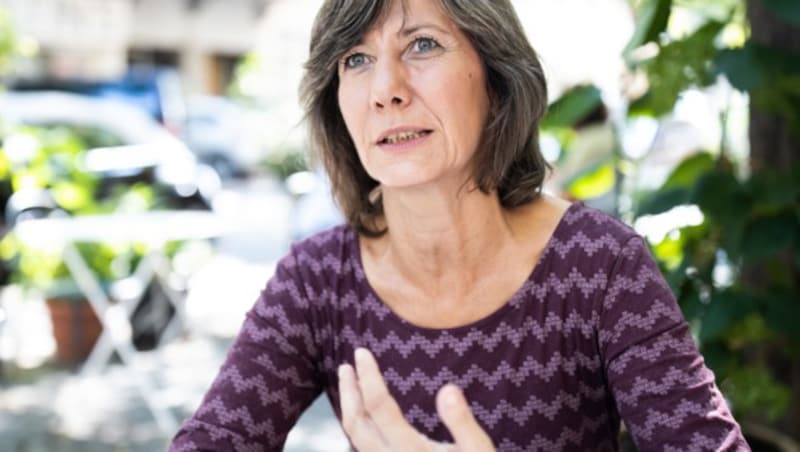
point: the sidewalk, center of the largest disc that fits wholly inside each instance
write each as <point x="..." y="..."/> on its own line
<point x="62" y="411"/>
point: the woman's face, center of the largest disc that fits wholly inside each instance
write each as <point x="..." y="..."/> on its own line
<point x="413" y="96"/>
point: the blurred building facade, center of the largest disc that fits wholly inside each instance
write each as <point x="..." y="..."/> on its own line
<point x="99" y="39"/>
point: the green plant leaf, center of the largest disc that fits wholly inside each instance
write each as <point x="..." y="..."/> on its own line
<point x="787" y="10"/>
<point x="593" y="182"/>
<point x="765" y="236"/>
<point x="663" y="200"/>
<point x="754" y="65"/>
<point x="691" y="306"/>
<point x="772" y="190"/>
<point x="782" y="311"/>
<point x="670" y="252"/>
<point x="782" y="97"/>
<point x="680" y="65"/>
<point x="797" y="254"/>
<point x="719" y="358"/>
<point x="752" y="390"/>
<point x="689" y="170"/>
<point x="650" y="23"/>
<point x="721" y="196"/>
<point x="725" y="308"/>
<point x="71" y="196"/>
<point x="574" y="105"/>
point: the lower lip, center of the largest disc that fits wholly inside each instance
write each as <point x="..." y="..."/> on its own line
<point x="404" y="145"/>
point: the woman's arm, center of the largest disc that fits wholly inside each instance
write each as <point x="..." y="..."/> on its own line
<point x="664" y="393"/>
<point x="268" y="377"/>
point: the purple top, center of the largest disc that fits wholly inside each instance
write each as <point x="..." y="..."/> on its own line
<point x="592" y="337"/>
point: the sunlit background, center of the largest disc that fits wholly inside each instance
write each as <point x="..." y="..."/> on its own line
<point x="153" y="162"/>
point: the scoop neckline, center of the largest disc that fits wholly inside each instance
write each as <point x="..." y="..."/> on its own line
<point x="476" y="324"/>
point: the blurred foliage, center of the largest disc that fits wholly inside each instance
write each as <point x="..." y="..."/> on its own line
<point x="51" y="158"/>
<point x="787" y="10"/>
<point x="680" y="65"/>
<point x="243" y="76"/>
<point x="566" y="119"/>
<point x="8" y="41"/>
<point x="735" y="274"/>
<point x="571" y="107"/>
<point x="752" y="223"/>
<point x="285" y="162"/>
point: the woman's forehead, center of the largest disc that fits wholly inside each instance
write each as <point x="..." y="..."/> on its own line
<point x="403" y="17"/>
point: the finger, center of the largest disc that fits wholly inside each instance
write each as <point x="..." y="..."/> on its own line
<point x="456" y="414"/>
<point x="381" y="406"/>
<point x="358" y="427"/>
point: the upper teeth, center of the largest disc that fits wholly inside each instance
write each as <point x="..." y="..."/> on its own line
<point x="404" y="136"/>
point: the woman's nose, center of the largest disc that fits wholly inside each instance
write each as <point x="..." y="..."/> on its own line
<point x="389" y="86"/>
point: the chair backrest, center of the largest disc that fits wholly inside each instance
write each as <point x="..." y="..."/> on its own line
<point x="29" y="203"/>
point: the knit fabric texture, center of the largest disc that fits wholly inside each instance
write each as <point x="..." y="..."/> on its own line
<point x="593" y="337"/>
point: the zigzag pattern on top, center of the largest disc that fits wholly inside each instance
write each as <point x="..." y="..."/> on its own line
<point x="646" y="272"/>
<point x="588" y="245"/>
<point x="699" y="443"/>
<point x="567" y="437"/>
<point x="258" y="385"/>
<point x="491" y="379"/>
<point x="261" y="335"/>
<point x="576" y="213"/>
<point x="674" y="378"/>
<point x="488" y="341"/>
<point x="628" y="321"/>
<point x="327" y="299"/>
<point x="290" y="375"/>
<point x="239" y="416"/>
<point x="218" y="434"/>
<point x="288" y="329"/>
<point x="564" y="286"/>
<point x="419" y="417"/>
<point x="536" y="405"/>
<point x="651" y="353"/>
<point x="327" y="262"/>
<point x="591" y="336"/>
<point x="671" y="419"/>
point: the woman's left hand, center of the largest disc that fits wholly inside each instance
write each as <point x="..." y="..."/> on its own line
<point x="374" y="422"/>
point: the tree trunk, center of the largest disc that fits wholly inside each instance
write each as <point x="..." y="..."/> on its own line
<point x="774" y="145"/>
<point x="771" y="141"/>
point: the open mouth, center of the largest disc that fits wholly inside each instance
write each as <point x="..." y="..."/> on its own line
<point x="404" y="136"/>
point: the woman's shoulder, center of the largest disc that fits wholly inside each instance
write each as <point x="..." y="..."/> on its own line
<point x="329" y="250"/>
<point x="581" y="220"/>
<point x="331" y="238"/>
<point x="589" y="239"/>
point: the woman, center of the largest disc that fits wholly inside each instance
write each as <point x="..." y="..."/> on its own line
<point x="459" y="304"/>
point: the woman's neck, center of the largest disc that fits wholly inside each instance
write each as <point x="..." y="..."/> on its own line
<point x="433" y="232"/>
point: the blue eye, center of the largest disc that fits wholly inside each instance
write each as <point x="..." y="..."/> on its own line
<point x="423" y="45"/>
<point x="355" y="60"/>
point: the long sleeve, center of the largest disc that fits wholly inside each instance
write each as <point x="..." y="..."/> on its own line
<point x="663" y="391"/>
<point x="269" y="376"/>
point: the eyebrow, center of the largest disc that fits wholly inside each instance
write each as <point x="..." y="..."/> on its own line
<point x="410" y="30"/>
<point x="413" y="28"/>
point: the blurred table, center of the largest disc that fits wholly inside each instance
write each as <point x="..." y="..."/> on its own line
<point x="154" y="229"/>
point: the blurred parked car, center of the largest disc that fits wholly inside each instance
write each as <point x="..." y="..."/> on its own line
<point x="217" y="130"/>
<point x="155" y="90"/>
<point x="125" y="145"/>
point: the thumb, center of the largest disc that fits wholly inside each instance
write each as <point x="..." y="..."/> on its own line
<point x="457" y="416"/>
